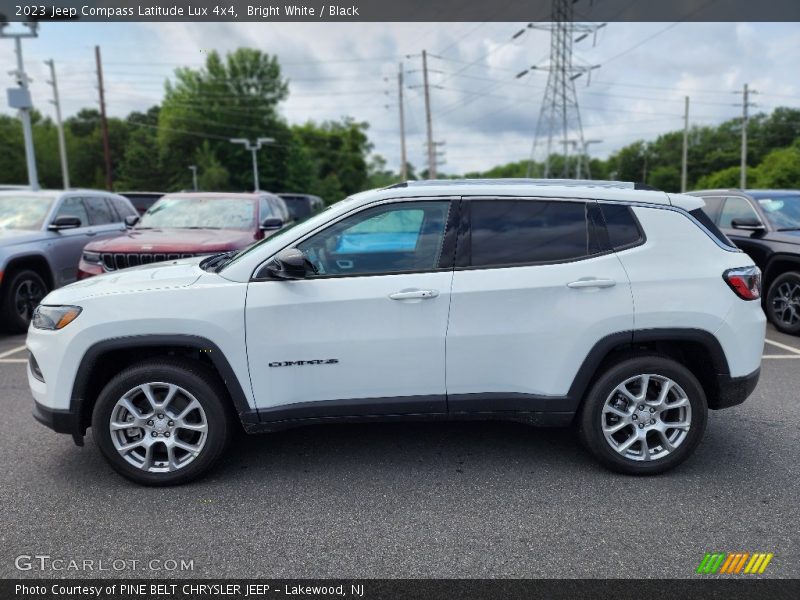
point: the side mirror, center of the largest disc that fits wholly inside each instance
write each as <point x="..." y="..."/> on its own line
<point x="289" y="263"/>
<point x="271" y="224"/>
<point x="750" y="224"/>
<point x="65" y="222"/>
<point x="131" y="220"/>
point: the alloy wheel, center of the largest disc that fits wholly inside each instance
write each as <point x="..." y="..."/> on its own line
<point x="158" y="427"/>
<point x="786" y="303"/>
<point x="27" y="297"/>
<point x="646" y="417"/>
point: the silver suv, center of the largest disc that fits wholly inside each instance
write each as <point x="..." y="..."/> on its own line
<point x="42" y="235"/>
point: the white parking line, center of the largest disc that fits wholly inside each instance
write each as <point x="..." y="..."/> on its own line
<point x="25" y="360"/>
<point x="784" y="356"/>
<point x="777" y="345"/>
<point x="13" y="351"/>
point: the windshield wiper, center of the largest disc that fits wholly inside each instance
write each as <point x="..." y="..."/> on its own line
<point x="216" y="262"/>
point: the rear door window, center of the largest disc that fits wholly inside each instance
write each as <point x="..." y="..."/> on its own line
<point x="713" y="207"/>
<point x="520" y="232"/>
<point x="623" y="230"/>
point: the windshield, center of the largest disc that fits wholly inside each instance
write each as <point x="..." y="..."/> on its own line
<point x="24" y="212"/>
<point x="200" y="213"/>
<point x="783" y="212"/>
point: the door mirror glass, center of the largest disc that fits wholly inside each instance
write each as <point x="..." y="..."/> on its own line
<point x="131" y="220"/>
<point x="271" y="224"/>
<point x="65" y="222"/>
<point x="289" y="263"/>
<point x="747" y="224"/>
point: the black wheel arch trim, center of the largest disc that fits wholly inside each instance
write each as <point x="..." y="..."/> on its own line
<point x="503" y="405"/>
<point x="770" y="268"/>
<point x="220" y="362"/>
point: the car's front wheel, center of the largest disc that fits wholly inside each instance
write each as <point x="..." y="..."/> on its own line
<point x="22" y="293"/>
<point x="644" y="416"/>
<point x="783" y="303"/>
<point x="162" y="422"/>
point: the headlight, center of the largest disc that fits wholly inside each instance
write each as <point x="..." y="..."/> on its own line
<point x="54" y="317"/>
<point x="92" y="257"/>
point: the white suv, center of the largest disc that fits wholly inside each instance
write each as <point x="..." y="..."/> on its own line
<point x="624" y="311"/>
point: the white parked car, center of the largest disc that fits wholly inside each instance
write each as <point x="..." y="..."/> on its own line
<point x="545" y="302"/>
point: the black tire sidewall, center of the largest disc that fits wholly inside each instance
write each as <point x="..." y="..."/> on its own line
<point x="11" y="321"/>
<point x="590" y="423"/>
<point x="792" y="276"/>
<point x="196" y="380"/>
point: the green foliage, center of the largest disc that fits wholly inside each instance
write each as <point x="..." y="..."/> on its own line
<point x="780" y="169"/>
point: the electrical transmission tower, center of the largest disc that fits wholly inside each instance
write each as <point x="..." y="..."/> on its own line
<point x="559" y="122"/>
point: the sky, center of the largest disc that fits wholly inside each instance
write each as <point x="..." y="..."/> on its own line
<point x="484" y="115"/>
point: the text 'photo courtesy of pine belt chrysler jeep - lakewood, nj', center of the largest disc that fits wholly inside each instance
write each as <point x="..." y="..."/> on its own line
<point x="623" y="311"/>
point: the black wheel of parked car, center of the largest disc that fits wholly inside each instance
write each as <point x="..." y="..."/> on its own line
<point x="162" y="422"/>
<point x="21" y="295"/>
<point x="783" y="303"/>
<point x="644" y="416"/>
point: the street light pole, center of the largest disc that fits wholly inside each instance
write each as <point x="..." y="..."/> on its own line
<point x="193" y="169"/>
<point x="20" y="98"/>
<point x="253" y="147"/>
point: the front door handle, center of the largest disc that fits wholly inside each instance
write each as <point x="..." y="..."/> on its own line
<point x="414" y="294"/>
<point x="592" y="283"/>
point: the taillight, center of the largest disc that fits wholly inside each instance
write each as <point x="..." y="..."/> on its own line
<point x="745" y="281"/>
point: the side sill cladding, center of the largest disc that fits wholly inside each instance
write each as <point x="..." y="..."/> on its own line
<point x="77" y="399"/>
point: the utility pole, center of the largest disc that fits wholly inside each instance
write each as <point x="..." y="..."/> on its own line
<point x="403" y="169"/>
<point x="62" y="146"/>
<point x="746" y="92"/>
<point x="193" y="169"/>
<point x="431" y="147"/>
<point x="685" y="153"/>
<point x="559" y="116"/>
<point x="103" y="120"/>
<point x="253" y="148"/>
<point x="20" y="98"/>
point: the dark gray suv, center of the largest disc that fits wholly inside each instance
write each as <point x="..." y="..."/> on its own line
<point x="42" y="235"/>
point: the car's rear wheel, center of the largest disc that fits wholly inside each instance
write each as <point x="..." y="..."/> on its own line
<point x="162" y="422"/>
<point x="644" y="416"/>
<point x="783" y="303"/>
<point x="21" y="295"/>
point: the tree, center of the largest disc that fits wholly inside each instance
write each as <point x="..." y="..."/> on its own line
<point x="211" y="175"/>
<point x="779" y="169"/>
<point x="234" y="97"/>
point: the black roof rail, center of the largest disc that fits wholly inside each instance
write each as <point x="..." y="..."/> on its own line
<point x="640" y="185"/>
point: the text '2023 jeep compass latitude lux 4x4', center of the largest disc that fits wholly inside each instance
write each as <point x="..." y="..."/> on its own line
<point x="542" y="302"/>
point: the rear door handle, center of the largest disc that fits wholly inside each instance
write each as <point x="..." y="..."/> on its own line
<point x="414" y="294"/>
<point x="592" y="283"/>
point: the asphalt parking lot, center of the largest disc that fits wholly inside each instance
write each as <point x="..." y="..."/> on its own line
<point x="413" y="500"/>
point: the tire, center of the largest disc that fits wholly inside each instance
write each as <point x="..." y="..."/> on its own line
<point x="206" y="428"/>
<point x="685" y="402"/>
<point x="21" y="294"/>
<point x="783" y="303"/>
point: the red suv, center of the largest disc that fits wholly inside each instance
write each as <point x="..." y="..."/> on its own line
<point x="181" y="226"/>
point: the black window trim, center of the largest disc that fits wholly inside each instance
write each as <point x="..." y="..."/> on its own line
<point x="446" y="255"/>
<point x="464" y="253"/>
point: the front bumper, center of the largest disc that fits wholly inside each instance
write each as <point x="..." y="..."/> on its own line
<point x="60" y="421"/>
<point x="733" y="390"/>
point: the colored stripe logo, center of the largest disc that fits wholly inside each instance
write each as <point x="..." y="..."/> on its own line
<point x="734" y="563"/>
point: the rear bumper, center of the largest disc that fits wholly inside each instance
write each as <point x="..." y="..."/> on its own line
<point x="734" y="390"/>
